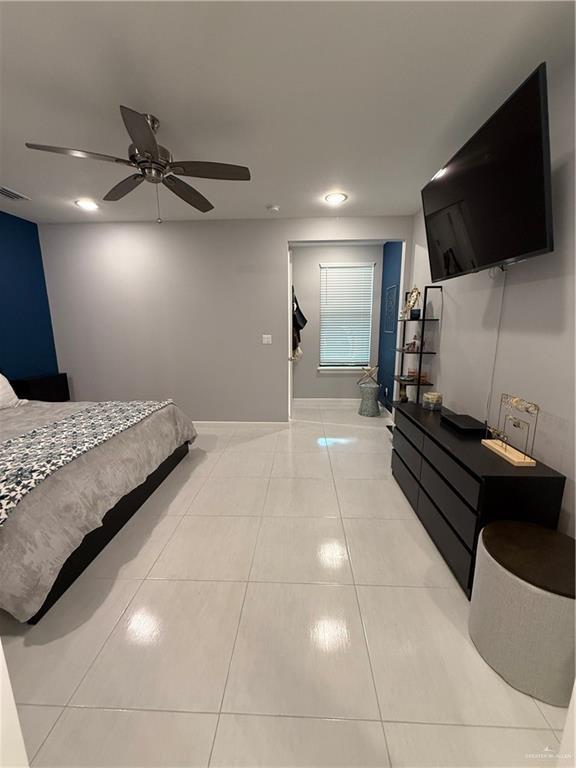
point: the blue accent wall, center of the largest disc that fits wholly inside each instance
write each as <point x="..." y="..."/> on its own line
<point x="26" y="338"/>
<point x="391" y="269"/>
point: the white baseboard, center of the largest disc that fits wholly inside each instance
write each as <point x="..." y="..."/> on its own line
<point x="241" y="423"/>
<point x="325" y="402"/>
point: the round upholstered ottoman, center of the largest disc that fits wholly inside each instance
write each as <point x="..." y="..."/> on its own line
<point x="522" y="613"/>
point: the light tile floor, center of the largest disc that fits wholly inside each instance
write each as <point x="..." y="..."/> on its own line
<point x="274" y="603"/>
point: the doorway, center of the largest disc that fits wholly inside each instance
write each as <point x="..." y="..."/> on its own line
<point x="313" y="381"/>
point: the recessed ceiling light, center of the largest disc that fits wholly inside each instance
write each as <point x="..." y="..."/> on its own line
<point x="439" y="174"/>
<point x="273" y="208"/>
<point x="335" y="198"/>
<point x="87" y="204"/>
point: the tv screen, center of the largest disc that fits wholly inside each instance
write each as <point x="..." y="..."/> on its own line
<point x="491" y="203"/>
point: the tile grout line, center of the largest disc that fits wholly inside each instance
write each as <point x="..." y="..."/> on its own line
<point x="297" y="583"/>
<point x="182" y="517"/>
<point x="359" y="608"/>
<point x="272" y="581"/>
<point x="544" y="715"/>
<point x="66" y="705"/>
<point x="239" y="619"/>
<point x="108" y="636"/>
<point x="545" y="729"/>
<point x="361" y="617"/>
<point x="296" y="517"/>
<point x="123" y="613"/>
<point x="45" y="739"/>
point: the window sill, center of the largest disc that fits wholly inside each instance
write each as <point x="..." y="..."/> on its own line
<point x="340" y="368"/>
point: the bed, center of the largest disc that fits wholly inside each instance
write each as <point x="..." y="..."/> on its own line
<point x="57" y="528"/>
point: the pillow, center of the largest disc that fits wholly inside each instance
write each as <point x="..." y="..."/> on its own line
<point x="8" y="397"/>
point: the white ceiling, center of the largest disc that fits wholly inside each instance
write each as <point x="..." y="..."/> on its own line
<point x="370" y="98"/>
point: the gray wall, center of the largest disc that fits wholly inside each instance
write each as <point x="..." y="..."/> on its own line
<point x="178" y="309"/>
<point x="308" y="381"/>
<point x="534" y="356"/>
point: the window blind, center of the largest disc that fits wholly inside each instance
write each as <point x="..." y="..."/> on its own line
<point x="346" y="314"/>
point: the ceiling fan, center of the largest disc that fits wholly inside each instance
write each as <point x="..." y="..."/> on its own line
<point x="154" y="163"/>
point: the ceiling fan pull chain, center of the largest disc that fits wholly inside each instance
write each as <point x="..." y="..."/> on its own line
<point x="159" y="219"/>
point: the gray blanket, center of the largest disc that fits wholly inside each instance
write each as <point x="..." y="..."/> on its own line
<point x="53" y="518"/>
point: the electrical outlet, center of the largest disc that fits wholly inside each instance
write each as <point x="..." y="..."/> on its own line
<point x="266" y="338"/>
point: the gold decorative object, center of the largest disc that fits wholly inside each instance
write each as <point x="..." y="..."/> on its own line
<point x="402" y="393"/>
<point x="368" y="375"/>
<point x="432" y="401"/>
<point x="412" y="300"/>
<point x="508" y="419"/>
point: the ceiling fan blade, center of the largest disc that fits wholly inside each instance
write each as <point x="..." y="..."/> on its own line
<point x="140" y="131"/>
<point x="125" y="186"/>
<point x="78" y="153"/>
<point x="205" y="170"/>
<point x="187" y="193"/>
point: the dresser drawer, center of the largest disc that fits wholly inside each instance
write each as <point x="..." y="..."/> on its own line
<point x="405" y="480"/>
<point x="409" y="429"/>
<point x="458" y="514"/>
<point x="407" y="453"/>
<point x="449" y="545"/>
<point x="464" y="483"/>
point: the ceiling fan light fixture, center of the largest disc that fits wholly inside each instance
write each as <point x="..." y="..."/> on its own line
<point x="87" y="204"/>
<point x="335" y="198"/>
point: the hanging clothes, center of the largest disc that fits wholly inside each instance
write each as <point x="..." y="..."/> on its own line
<point x="298" y="322"/>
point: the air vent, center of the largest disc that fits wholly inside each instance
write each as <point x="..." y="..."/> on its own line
<point x="11" y="194"/>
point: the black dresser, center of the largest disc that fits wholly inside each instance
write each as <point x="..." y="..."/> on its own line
<point x="456" y="486"/>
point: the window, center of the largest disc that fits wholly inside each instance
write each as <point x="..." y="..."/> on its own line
<point x="345" y="314"/>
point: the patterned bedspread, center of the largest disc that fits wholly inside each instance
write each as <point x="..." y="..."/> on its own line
<point x="27" y="460"/>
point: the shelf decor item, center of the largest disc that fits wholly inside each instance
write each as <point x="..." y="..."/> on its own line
<point x="509" y="419"/>
<point x="402" y="393"/>
<point x="414" y="345"/>
<point x="412" y="301"/>
<point x="432" y="401"/>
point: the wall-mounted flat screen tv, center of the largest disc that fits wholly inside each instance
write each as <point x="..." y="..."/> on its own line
<point x="491" y="203"/>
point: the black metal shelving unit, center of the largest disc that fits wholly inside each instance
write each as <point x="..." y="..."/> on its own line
<point x="423" y="321"/>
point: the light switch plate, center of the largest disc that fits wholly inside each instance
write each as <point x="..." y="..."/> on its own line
<point x="266" y="338"/>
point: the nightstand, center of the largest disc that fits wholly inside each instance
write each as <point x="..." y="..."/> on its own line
<point x="51" y="389"/>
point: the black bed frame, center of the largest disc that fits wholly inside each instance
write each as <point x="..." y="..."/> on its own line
<point x="95" y="541"/>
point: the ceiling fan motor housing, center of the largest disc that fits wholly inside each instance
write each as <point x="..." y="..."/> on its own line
<point x="153" y="169"/>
